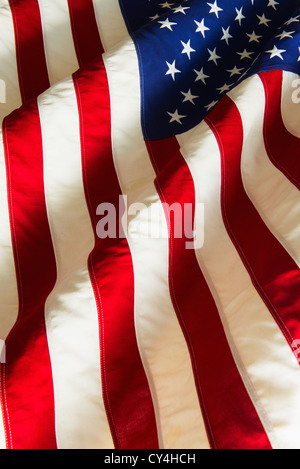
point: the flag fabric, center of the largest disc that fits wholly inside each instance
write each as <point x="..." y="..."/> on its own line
<point x="149" y="224"/>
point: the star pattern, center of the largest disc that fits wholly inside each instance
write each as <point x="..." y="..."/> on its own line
<point x="172" y="70"/>
<point x="201" y="28"/>
<point x="189" y="97"/>
<point x="245" y="54"/>
<point x="214" y="8"/>
<point x="235" y="71"/>
<point x="253" y="37"/>
<point x="226" y="35"/>
<point x="239" y="17"/>
<point x="201" y="50"/>
<point x="175" y="117"/>
<point x="275" y="52"/>
<point x="213" y="56"/>
<point x="201" y="76"/>
<point x="167" y="24"/>
<point x="187" y="49"/>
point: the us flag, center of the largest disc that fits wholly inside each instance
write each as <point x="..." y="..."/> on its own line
<point x="149" y="224"/>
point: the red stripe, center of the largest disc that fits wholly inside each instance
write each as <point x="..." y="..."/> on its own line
<point x="230" y="416"/>
<point x="283" y="148"/>
<point x="28" y="378"/>
<point x="86" y="36"/>
<point x="273" y="272"/>
<point x="32" y="68"/>
<point x="125" y="388"/>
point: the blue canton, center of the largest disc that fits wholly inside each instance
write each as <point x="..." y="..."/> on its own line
<point x="192" y="53"/>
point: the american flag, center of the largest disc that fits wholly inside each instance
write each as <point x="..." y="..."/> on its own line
<point x="132" y="341"/>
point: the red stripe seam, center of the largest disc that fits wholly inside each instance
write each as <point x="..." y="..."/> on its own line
<point x="275" y="162"/>
<point x="97" y="297"/>
<point x="264" y="297"/>
<point x="184" y="329"/>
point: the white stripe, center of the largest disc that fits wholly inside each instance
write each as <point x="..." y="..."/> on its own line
<point x="266" y="363"/>
<point x="274" y="197"/>
<point x="161" y="343"/>
<point x="8" y="62"/>
<point x="111" y="26"/>
<point x="71" y="312"/>
<point x="290" y="102"/>
<point x="58" y="39"/>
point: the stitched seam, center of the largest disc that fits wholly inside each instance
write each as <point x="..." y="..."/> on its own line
<point x="17" y="262"/>
<point x="136" y="316"/>
<point x="18" y="54"/>
<point x="177" y="309"/>
<point x="186" y="333"/>
<point x="94" y="282"/>
<point x="74" y="35"/>
<point x="263" y="295"/>
<point x="17" y="267"/>
<point x="6" y="421"/>
<point x="266" y="141"/>
<point x="232" y="346"/>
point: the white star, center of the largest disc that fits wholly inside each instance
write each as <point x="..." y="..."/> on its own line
<point x="292" y="20"/>
<point x="211" y="105"/>
<point x="276" y="52"/>
<point x="273" y="3"/>
<point x="187" y="49"/>
<point x="299" y="55"/>
<point x="152" y="18"/>
<point x="213" y="56"/>
<point x="188" y="96"/>
<point x="175" y="117"/>
<point x="166" y="5"/>
<point x="226" y="35"/>
<point x="172" y="70"/>
<point x="166" y="24"/>
<point x="201" y="76"/>
<point x="263" y="20"/>
<point x="214" y="8"/>
<point x="239" y="16"/>
<point x="245" y="54"/>
<point x="253" y="37"/>
<point x="201" y="27"/>
<point x="285" y="34"/>
<point x="180" y="9"/>
<point x="235" y="71"/>
<point x="224" y="88"/>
